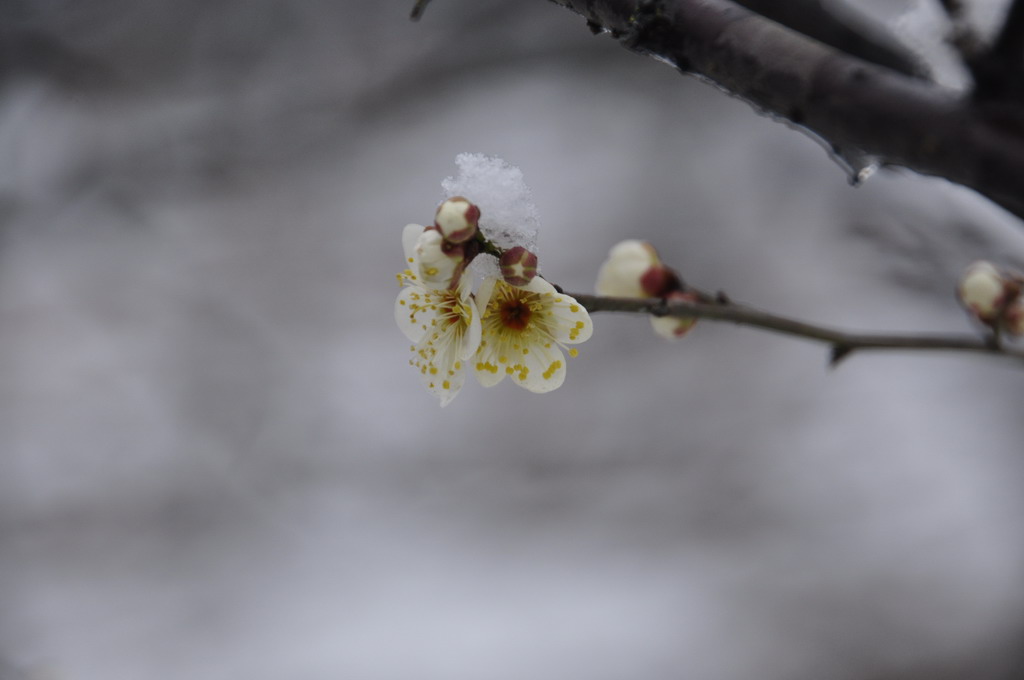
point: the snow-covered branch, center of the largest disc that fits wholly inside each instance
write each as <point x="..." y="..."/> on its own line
<point x="857" y="107"/>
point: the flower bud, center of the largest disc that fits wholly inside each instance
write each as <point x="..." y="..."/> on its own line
<point x="1013" y="319"/>
<point x="457" y="219"/>
<point x="671" y="327"/>
<point x="633" y="269"/>
<point x="518" y="266"/>
<point x="987" y="292"/>
<point x="440" y="262"/>
<point x="659" y="281"/>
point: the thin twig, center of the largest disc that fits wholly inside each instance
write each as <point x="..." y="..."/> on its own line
<point x="842" y="343"/>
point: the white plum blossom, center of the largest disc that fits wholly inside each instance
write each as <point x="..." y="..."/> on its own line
<point x="438" y="262"/>
<point x="443" y="324"/>
<point x="524" y="330"/>
<point x="517" y="323"/>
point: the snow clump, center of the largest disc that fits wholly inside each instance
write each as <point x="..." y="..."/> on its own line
<point x="508" y="217"/>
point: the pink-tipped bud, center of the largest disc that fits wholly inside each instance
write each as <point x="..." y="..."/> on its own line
<point x="988" y="293"/>
<point x="633" y="269"/>
<point x="440" y="262"/>
<point x="518" y="266"/>
<point x="671" y="327"/>
<point x="457" y="219"/>
<point x="659" y="281"/>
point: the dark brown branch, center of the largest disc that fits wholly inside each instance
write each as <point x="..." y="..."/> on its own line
<point x="842" y="343"/>
<point x="1009" y="45"/>
<point x="851" y="104"/>
<point x="815" y="19"/>
<point x="999" y="72"/>
<point x="966" y="40"/>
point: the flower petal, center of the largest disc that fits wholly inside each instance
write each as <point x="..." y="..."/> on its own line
<point x="484" y="293"/>
<point x="436" y="264"/>
<point x="465" y="288"/>
<point x="540" y="370"/>
<point x="414" y="312"/>
<point x="445" y="387"/>
<point x="671" y="328"/>
<point x="489" y="372"/>
<point x="410" y="235"/>
<point x="472" y="335"/>
<point x="573" y="324"/>
<point x="541" y="286"/>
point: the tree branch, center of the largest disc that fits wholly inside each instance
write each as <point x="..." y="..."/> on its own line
<point x="1009" y="45"/>
<point x="855" y="106"/>
<point x="842" y="343"/>
<point x="816" y="19"/>
<point x="999" y="73"/>
<point x="962" y="36"/>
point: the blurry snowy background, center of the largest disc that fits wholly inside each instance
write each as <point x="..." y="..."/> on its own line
<point x="216" y="463"/>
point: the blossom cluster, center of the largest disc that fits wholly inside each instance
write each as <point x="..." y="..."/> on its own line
<point x="514" y="325"/>
<point x="992" y="296"/>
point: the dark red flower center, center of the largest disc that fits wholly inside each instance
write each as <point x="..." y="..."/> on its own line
<point x="515" y="314"/>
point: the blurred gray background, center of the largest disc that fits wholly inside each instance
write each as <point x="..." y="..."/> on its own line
<point x="216" y="463"/>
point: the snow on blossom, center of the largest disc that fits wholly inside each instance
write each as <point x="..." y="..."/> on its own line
<point x="518" y="325"/>
<point x="443" y="325"/>
<point x="524" y="330"/>
<point x="508" y="216"/>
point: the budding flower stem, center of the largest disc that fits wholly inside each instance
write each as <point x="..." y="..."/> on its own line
<point x="486" y="246"/>
<point x="842" y="343"/>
